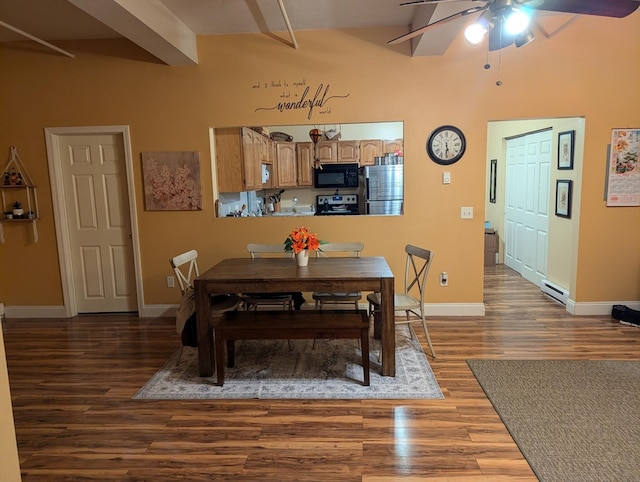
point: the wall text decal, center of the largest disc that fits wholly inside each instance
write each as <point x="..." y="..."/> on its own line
<point x="292" y="99"/>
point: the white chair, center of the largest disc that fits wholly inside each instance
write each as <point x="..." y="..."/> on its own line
<point x="339" y="249"/>
<point x="415" y="276"/>
<point x="185" y="267"/>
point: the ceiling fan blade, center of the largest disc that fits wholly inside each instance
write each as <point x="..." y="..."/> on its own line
<point x="602" y="8"/>
<point x="421" y="30"/>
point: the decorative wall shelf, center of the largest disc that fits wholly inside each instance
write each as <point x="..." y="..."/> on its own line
<point x="16" y="182"/>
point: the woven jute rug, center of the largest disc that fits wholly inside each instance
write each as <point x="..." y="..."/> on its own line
<point x="572" y="420"/>
<point x="267" y="369"/>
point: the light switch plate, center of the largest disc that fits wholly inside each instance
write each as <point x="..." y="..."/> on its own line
<point x="466" y="213"/>
<point x="446" y="178"/>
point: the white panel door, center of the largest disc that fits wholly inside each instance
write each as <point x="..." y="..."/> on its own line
<point x="528" y="174"/>
<point x="95" y="193"/>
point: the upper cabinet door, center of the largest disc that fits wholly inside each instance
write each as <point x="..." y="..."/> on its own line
<point x="369" y="150"/>
<point x="349" y="151"/>
<point x="251" y="158"/>
<point x="229" y="163"/>
<point x="286" y="171"/>
<point x="394" y="146"/>
<point x="327" y="151"/>
<point x="305" y="158"/>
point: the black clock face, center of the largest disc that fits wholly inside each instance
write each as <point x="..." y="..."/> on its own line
<point x="446" y="145"/>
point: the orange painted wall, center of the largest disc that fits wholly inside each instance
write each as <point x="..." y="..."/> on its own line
<point x="113" y="82"/>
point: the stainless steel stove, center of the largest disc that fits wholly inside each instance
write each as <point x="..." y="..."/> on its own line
<point x="337" y="204"/>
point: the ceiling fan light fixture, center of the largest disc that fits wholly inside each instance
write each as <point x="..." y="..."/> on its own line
<point x="524" y="38"/>
<point x="475" y="32"/>
<point x="516" y="22"/>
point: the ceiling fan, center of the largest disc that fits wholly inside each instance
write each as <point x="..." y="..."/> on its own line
<point x="507" y="21"/>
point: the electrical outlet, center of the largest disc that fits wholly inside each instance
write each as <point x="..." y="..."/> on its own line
<point x="466" y="213"/>
<point x="171" y="282"/>
<point x="444" y="279"/>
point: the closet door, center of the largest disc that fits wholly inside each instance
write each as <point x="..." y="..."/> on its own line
<point x="528" y="177"/>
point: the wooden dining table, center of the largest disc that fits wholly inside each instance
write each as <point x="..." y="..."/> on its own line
<point x="266" y="275"/>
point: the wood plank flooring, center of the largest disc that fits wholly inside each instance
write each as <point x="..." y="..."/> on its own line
<point x="72" y="382"/>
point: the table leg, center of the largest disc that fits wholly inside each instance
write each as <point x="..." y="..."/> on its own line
<point x="388" y="328"/>
<point x="205" y="338"/>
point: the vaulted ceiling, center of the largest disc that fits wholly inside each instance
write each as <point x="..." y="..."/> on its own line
<point x="168" y="28"/>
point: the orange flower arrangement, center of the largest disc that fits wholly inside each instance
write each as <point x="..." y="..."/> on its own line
<point x="301" y="239"/>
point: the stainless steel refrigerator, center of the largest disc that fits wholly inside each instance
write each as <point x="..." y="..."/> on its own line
<point x="384" y="189"/>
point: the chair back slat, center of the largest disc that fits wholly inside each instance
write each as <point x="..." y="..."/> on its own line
<point x="417" y="269"/>
<point x="257" y="250"/>
<point x="342" y="249"/>
<point x="185" y="268"/>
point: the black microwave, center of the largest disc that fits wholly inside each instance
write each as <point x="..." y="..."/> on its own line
<point x="336" y="176"/>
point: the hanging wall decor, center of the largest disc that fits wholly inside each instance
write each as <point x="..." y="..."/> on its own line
<point x="565" y="149"/>
<point x="171" y="181"/>
<point x="623" y="168"/>
<point x="493" y="179"/>
<point x="19" y="195"/>
<point x="563" y="198"/>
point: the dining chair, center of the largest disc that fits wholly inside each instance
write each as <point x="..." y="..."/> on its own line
<point x="322" y="297"/>
<point x="418" y="262"/>
<point x="338" y="249"/>
<point x="185" y="267"/>
<point x="252" y="301"/>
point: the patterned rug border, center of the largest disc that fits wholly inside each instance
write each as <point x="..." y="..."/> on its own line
<point x="331" y="371"/>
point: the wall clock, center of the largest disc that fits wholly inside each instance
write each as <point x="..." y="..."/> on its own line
<point x="446" y="145"/>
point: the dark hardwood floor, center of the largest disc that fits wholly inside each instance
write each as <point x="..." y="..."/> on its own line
<point x="72" y="381"/>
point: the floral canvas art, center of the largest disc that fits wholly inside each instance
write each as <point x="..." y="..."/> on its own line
<point x="171" y="181"/>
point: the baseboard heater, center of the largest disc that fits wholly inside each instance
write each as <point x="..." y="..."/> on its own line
<point x="555" y="292"/>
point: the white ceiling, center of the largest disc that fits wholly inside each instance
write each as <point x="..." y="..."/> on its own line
<point x="153" y="24"/>
<point x="168" y="28"/>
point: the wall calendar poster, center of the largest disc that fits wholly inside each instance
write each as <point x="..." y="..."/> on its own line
<point x="623" y="187"/>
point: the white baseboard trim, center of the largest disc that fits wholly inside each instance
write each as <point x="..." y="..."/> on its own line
<point x="35" y="312"/>
<point x="598" y="307"/>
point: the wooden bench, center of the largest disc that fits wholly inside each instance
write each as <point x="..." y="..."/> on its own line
<point x="287" y="325"/>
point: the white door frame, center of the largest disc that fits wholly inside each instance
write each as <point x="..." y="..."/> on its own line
<point x="52" y="135"/>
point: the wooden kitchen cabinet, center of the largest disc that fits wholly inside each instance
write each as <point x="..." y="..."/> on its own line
<point x="305" y="158"/>
<point x="392" y="146"/>
<point x="270" y="165"/>
<point x="252" y="143"/>
<point x="238" y="159"/>
<point x="349" y="151"/>
<point x="286" y="172"/>
<point x="263" y="148"/>
<point x="369" y="150"/>
<point x="327" y="151"/>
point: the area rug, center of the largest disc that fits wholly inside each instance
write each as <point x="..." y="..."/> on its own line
<point x="572" y="420"/>
<point x="267" y="369"/>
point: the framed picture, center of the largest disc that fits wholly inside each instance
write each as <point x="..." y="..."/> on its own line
<point x="493" y="175"/>
<point x="565" y="149"/>
<point x="563" y="198"/>
<point x="171" y="181"/>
